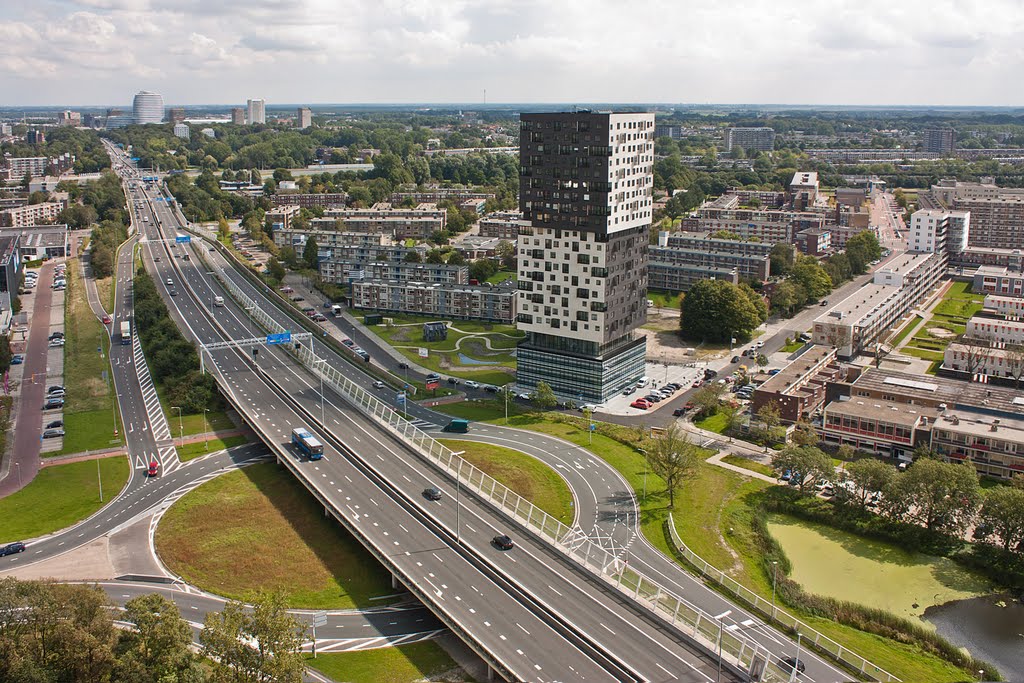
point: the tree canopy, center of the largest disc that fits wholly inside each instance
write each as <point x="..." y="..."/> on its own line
<point x="715" y="310"/>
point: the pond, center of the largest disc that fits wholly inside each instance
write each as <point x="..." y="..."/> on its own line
<point x="991" y="628"/>
<point x="466" y="360"/>
<point x="844" y="566"/>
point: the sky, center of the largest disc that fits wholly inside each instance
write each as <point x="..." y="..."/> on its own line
<point x="913" y="52"/>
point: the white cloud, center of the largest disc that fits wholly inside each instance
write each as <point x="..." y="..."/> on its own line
<point x="838" y="51"/>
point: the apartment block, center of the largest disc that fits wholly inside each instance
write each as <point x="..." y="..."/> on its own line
<point x="305" y="201"/>
<point x="19" y="166"/>
<point x="996" y="328"/>
<point x="891" y="413"/>
<point x="437" y="194"/>
<point x="938" y="140"/>
<point x="460" y="302"/>
<point x="972" y="257"/>
<point x="760" y="139"/>
<point x="281" y="216"/>
<point x="31" y="214"/>
<point x="998" y="280"/>
<point x="939" y="230"/>
<point x="417" y="223"/>
<point x="1010" y="307"/>
<point x="799" y="388"/>
<point x="997" y="213"/>
<point x="814" y="242"/>
<point x="335" y="241"/>
<point x="346" y="272"/>
<point x="256" y="111"/>
<point x="303" y="118"/>
<point x="767" y="225"/>
<point x="861" y="319"/>
<point x="238" y="116"/>
<point x="586" y="195"/>
<point x="748" y="259"/>
<point x="501" y="224"/>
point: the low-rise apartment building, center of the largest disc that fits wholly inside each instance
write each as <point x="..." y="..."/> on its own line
<point x="799" y="388"/>
<point x="435" y="195"/>
<point x="501" y="224"/>
<point x="860" y="320"/>
<point x="418" y="223"/>
<point x="30" y="214"/>
<point x="281" y="216"/>
<point x="678" y="256"/>
<point x="341" y="272"/>
<point x="891" y="413"/>
<point x="998" y="280"/>
<point x="767" y="225"/>
<point x="43" y="241"/>
<point x="1006" y="306"/>
<point x="306" y="200"/>
<point x="463" y="302"/>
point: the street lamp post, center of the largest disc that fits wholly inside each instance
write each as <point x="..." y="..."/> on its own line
<point x="721" y="626"/>
<point x="320" y="361"/>
<point x="775" y="572"/>
<point x="18" y="465"/>
<point x="181" y="429"/>
<point x="645" y="474"/>
<point x="206" y="442"/>
<point x="796" y="660"/>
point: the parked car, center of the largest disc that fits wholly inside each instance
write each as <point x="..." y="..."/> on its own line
<point x="490" y="388"/>
<point x="470" y="384"/>
<point x="17" y="359"/>
<point x="524" y="397"/>
<point x="12" y="548"/>
<point x="56" y="335"/>
<point x="432" y="493"/>
<point x="503" y="542"/>
<point x="53" y="404"/>
<point x="641" y="403"/>
<point x="774" y="371"/>
<point x="735" y="359"/>
<point x="55" y="424"/>
<point x="298" y="297"/>
<point x="53" y="433"/>
<point x="287" y="290"/>
<point x="56" y="343"/>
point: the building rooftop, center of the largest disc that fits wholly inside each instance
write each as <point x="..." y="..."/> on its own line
<point x="795" y="372"/>
<point x="954" y="393"/>
<point x="894" y="413"/>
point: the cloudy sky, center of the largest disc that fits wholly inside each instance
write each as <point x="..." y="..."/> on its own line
<point x="309" y="51"/>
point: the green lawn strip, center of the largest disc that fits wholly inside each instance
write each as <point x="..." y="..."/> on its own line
<point x="527" y="476"/>
<point x="714" y="423"/>
<point x="259" y="529"/>
<point x="748" y="464"/>
<point x="194" y="423"/>
<point x="60" y="496"/>
<point x="400" y="664"/>
<point x="907" y="329"/>
<point x="198" y="448"/>
<point x="664" y="299"/>
<point x="88" y="393"/>
<point x="483" y="410"/>
<point x="924" y="354"/>
<point x="433" y="362"/>
<point x="792" y="346"/>
<point x="501" y="276"/>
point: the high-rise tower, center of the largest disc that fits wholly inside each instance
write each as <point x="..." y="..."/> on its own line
<point x="148" y="107"/>
<point x="256" y="111"/>
<point x="585" y="190"/>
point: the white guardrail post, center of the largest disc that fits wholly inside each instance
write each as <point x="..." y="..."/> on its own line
<point x="689" y="618"/>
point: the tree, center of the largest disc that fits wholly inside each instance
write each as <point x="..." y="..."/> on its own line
<point x="782" y="258"/>
<point x="1003" y="512"/>
<point x="870" y="476"/>
<point x="543" y="397"/>
<point x="311" y="253"/>
<point x="972" y="351"/>
<point x="803" y="434"/>
<point x="434" y="256"/>
<point x="260" y="645"/>
<point x="805" y="464"/>
<point x="861" y="249"/>
<point x="412" y="256"/>
<point x="157" y="649"/>
<point x="770" y="417"/>
<point x="673" y="457"/>
<point x="787" y="297"/>
<point x="456" y="258"/>
<point x="1014" y="357"/>
<point x="276" y="270"/>
<point x="809" y="274"/>
<point x="941" y="496"/>
<point x="707" y="397"/>
<point x="715" y="310"/>
<point x="223" y="229"/>
<point x="506" y="253"/>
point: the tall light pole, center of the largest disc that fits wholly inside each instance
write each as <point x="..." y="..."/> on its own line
<point x="721" y="626"/>
<point x="458" y="505"/>
<point x="320" y="361"/>
<point x="505" y="390"/>
<point x="206" y="442"/>
<point x="211" y="273"/>
<point x="181" y="429"/>
<point x="796" y="660"/>
<point x="775" y="572"/>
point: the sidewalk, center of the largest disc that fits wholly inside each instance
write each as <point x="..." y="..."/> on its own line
<point x="716" y="459"/>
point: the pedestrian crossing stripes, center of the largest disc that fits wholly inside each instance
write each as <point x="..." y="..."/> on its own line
<point x="353" y="644"/>
<point x="424" y="425"/>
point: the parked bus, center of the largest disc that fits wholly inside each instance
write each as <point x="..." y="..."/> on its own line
<point x="307" y="443"/>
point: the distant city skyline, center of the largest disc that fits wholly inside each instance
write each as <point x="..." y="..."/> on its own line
<point x="97" y="52"/>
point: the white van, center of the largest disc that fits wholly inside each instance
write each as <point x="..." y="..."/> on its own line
<point x="644" y="381"/>
<point x="218" y="301"/>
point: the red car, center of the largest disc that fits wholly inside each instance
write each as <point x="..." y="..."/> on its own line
<point x="641" y="403"/>
<point x="696" y="383"/>
<point x="154" y="468"/>
<point x="106" y="320"/>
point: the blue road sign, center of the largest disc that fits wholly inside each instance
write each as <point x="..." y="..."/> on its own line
<point x="183" y="238"/>
<point x="400" y="397"/>
<point x="280" y="338"/>
<point x="593" y="426"/>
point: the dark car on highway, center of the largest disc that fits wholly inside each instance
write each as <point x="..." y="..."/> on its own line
<point x="790" y="663"/>
<point x="503" y="542"/>
<point x="12" y="548"/>
<point x="432" y="493"/>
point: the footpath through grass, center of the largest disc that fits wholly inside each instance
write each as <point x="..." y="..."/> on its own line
<point x="197" y="449"/>
<point x="60" y="496"/>
<point x="89" y="414"/>
<point x="426" y="661"/>
<point x="259" y="529"/>
<point x="527" y="476"/>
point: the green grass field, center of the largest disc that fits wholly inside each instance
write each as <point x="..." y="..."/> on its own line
<point x="832" y="562"/>
<point x="792" y="346"/>
<point x="907" y="329"/>
<point x="425" y="661"/>
<point x="89" y="409"/>
<point x="501" y="276"/>
<point x="60" y="496"/>
<point x="194" y="450"/>
<point x="665" y="299"/>
<point x="748" y="464"/>
<point x="259" y="529"/>
<point x="483" y="410"/>
<point x="529" y="477"/>
<point x="714" y="423"/>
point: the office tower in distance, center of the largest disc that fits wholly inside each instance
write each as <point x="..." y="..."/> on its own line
<point x="586" y="182"/>
<point x="176" y="114"/>
<point x="238" y="116"/>
<point x="148" y="107"/>
<point x="303" y="118"/>
<point x="939" y="140"/>
<point x="750" y="139"/>
<point x="256" y="111"/>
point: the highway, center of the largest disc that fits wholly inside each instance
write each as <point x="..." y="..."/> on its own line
<point x="587" y="612"/>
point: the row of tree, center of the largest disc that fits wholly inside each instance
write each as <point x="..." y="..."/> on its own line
<point x="52" y="632"/>
<point x="718" y="310"/>
<point x="172" y="359"/>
